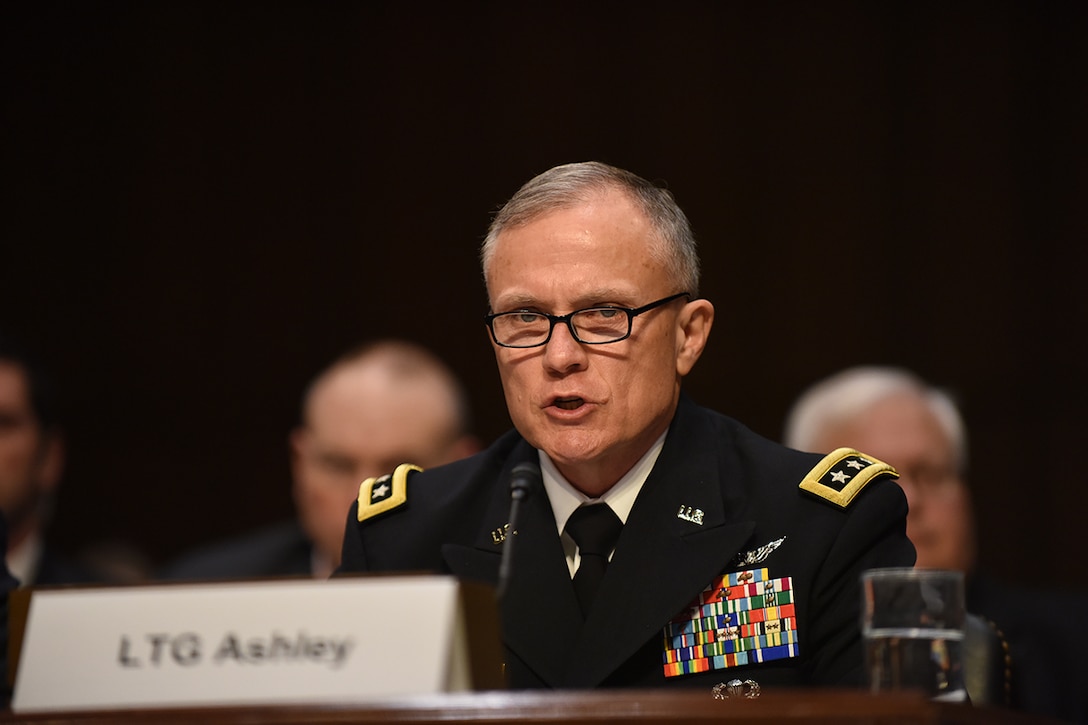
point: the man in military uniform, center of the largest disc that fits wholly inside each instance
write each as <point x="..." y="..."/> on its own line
<point x="665" y="544"/>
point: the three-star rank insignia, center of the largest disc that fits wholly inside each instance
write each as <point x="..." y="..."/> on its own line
<point x="841" y="475"/>
<point x="385" y="493"/>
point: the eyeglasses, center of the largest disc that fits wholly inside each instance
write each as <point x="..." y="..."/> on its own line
<point x="591" y="326"/>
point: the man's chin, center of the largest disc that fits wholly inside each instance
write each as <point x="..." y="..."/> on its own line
<point x="571" y="447"/>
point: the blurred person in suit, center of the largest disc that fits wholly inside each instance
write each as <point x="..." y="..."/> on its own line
<point x="7" y="584"/>
<point x="32" y="457"/>
<point x="916" y="427"/>
<point x="371" y="408"/>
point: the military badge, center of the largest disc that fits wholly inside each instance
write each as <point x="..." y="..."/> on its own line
<point x="742" y="618"/>
<point x="378" y="495"/>
<point x="749" y="689"/>
<point x="687" y="513"/>
<point x="757" y="556"/>
<point x="841" y="475"/>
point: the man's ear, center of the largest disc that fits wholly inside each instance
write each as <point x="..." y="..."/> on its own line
<point x="51" y="461"/>
<point x="296" y="446"/>
<point x="696" y="319"/>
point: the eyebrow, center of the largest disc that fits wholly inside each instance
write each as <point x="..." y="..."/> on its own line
<point x="587" y="299"/>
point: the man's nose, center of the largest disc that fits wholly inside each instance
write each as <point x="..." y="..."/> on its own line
<point x="563" y="352"/>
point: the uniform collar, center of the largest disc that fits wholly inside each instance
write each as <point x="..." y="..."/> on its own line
<point x="565" y="498"/>
<point x="621" y="497"/>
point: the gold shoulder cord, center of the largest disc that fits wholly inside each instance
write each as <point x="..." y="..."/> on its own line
<point x="842" y="474"/>
<point x="384" y="493"/>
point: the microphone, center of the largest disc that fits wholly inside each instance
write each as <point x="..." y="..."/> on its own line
<point x="524" y="479"/>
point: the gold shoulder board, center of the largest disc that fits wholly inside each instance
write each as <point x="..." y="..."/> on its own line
<point x="842" y="474"/>
<point x="378" y="495"/>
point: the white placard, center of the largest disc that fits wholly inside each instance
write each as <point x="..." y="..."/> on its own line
<point x="270" y="642"/>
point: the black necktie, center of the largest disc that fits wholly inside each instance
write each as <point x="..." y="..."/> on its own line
<point x="595" y="529"/>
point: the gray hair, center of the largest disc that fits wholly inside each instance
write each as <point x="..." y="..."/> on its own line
<point x="568" y="185"/>
<point x="842" y="396"/>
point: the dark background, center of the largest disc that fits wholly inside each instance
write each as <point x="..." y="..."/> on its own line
<point x="204" y="203"/>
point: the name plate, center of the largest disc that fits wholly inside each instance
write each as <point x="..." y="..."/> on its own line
<point x="252" y="643"/>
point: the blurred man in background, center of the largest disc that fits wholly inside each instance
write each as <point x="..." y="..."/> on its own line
<point x="374" y="407"/>
<point x="31" y="465"/>
<point x="894" y="415"/>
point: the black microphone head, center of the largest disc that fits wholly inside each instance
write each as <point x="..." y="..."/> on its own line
<point x="524" y="478"/>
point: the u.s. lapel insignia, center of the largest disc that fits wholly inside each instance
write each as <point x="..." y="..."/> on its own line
<point x="757" y="556"/>
<point x="378" y="495"/>
<point x="499" y="535"/>
<point x="687" y="513"/>
<point x="742" y="618"/>
<point x="841" y="475"/>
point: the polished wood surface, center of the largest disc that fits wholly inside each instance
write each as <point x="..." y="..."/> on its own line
<point x="651" y="707"/>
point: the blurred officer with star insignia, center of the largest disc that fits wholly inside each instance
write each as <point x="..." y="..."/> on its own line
<point x="658" y="543"/>
<point x="374" y="404"/>
<point x="917" y="427"/>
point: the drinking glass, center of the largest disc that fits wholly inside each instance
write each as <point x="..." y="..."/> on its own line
<point x="912" y="623"/>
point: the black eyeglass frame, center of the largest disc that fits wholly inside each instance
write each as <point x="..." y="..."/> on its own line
<point x="631" y="313"/>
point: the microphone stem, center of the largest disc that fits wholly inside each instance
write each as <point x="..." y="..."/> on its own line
<point x="516" y="497"/>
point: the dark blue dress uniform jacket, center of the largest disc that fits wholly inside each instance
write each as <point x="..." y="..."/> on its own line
<point x="747" y="488"/>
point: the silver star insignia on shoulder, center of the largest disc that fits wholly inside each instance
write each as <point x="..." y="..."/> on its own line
<point x="380" y="491"/>
<point x="830" y="480"/>
<point x="378" y="495"/>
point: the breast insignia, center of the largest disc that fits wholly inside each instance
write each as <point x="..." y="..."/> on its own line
<point x="841" y="475"/>
<point x="385" y="493"/>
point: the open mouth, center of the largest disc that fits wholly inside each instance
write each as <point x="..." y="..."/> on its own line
<point x="568" y="403"/>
